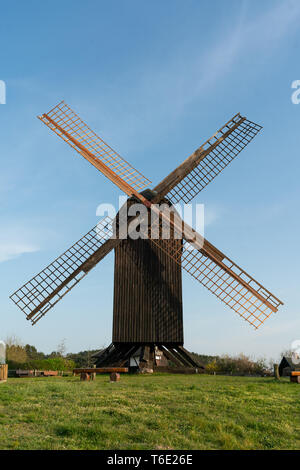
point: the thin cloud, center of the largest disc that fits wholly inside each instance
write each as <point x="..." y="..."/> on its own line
<point x="201" y="72"/>
<point x="165" y="90"/>
<point x="13" y="250"/>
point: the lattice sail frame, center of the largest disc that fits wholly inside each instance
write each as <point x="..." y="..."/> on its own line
<point x="214" y="155"/>
<point x="221" y="276"/>
<point x="45" y="289"/>
<point x="66" y="119"/>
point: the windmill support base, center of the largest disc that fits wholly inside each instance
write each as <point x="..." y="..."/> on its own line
<point x="148" y="358"/>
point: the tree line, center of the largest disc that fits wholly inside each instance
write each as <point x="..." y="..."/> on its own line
<point x="19" y="356"/>
<point x="27" y="357"/>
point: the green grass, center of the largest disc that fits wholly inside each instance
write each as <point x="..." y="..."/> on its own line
<point x="150" y="412"/>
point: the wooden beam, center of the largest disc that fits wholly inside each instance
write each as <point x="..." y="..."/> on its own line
<point x="96" y="162"/>
<point x="168" y="183"/>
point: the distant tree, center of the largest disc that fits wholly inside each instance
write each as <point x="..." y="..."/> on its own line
<point x="53" y="354"/>
<point x="286" y="353"/>
<point x="19" y="356"/>
<point x="13" y="340"/>
<point x="83" y="358"/>
<point x="203" y="359"/>
<point x="61" y="348"/>
<point x="33" y="353"/>
<point x="15" y="351"/>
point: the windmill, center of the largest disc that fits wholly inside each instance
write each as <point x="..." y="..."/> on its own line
<point x="147" y="313"/>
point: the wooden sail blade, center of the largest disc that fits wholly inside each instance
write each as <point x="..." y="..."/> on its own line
<point x="67" y="125"/>
<point x="45" y="289"/>
<point x="220" y="275"/>
<point x="198" y="170"/>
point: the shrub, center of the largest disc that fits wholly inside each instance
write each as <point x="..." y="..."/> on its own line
<point x="241" y="365"/>
<point x="212" y="367"/>
<point x="57" y="363"/>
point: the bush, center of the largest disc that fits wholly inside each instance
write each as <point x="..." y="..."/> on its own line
<point x="57" y="363"/>
<point x="240" y="365"/>
<point x="212" y="367"/>
<point x="28" y="358"/>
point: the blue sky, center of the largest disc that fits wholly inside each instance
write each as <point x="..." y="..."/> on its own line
<point x="155" y="80"/>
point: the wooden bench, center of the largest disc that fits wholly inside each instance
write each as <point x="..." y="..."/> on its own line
<point x="295" y="376"/>
<point x="89" y="373"/>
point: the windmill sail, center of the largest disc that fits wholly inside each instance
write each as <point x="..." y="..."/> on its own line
<point x="45" y="289"/>
<point x="201" y="259"/>
<point x="198" y="170"/>
<point x="224" y="278"/>
<point x="68" y="125"/>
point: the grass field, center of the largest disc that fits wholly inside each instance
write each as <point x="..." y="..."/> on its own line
<point x="150" y="412"/>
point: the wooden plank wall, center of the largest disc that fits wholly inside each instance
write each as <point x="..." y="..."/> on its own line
<point x="147" y="294"/>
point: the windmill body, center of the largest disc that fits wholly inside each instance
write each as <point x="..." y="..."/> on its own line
<point x="148" y="309"/>
<point x="147" y="295"/>
<point x="147" y="317"/>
